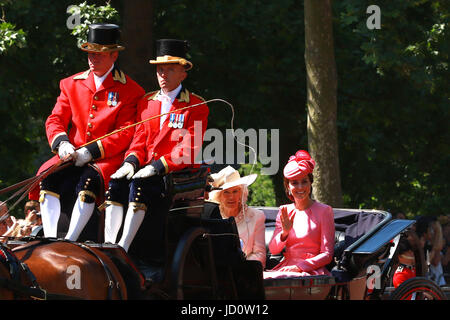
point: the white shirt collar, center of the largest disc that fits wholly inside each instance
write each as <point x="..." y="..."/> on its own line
<point x="172" y="94"/>
<point x="99" y="80"/>
<point x="166" y="102"/>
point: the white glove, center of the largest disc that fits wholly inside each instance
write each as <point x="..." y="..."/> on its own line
<point x="127" y="169"/>
<point x="65" y="149"/>
<point x="82" y="157"/>
<point x="145" y="172"/>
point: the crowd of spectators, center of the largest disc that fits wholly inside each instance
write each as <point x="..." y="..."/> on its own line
<point x="10" y="226"/>
<point x="431" y="235"/>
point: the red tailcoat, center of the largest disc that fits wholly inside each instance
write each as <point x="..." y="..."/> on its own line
<point x="91" y="114"/>
<point x="172" y="148"/>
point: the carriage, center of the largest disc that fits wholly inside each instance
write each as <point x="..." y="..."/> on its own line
<point x="202" y="257"/>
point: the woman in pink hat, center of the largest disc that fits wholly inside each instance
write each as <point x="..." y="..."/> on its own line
<point x="305" y="227"/>
<point x="232" y="200"/>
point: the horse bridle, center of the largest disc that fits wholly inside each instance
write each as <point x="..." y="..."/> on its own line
<point x="14" y="284"/>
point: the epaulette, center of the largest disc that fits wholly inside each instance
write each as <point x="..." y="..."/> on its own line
<point x="82" y="76"/>
<point x="151" y="95"/>
<point x="118" y="75"/>
<point x="184" y="96"/>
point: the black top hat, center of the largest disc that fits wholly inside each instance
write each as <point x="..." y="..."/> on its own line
<point x="102" y="37"/>
<point x="172" y="51"/>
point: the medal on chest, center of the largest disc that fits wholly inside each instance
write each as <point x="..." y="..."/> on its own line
<point x="180" y="121"/>
<point x="171" y="120"/>
<point x="113" y="98"/>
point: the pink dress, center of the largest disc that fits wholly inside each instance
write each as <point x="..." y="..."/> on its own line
<point x="309" y="244"/>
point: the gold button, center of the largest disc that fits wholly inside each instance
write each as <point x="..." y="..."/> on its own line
<point x="137" y="199"/>
<point x="95" y="97"/>
<point x="88" y="134"/>
<point x="90" y="125"/>
<point x="91" y="116"/>
<point x="94" y="107"/>
<point x="138" y="193"/>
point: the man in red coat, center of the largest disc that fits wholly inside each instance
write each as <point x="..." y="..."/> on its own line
<point x="160" y="146"/>
<point x="92" y="104"/>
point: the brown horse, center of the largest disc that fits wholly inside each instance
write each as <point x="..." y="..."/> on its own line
<point x="72" y="270"/>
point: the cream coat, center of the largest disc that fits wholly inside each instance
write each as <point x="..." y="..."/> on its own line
<point x="251" y="230"/>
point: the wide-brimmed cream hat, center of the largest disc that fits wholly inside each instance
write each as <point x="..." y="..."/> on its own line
<point x="227" y="178"/>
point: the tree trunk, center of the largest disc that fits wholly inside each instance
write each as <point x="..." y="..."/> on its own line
<point x="137" y="37"/>
<point x="321" y="101"/>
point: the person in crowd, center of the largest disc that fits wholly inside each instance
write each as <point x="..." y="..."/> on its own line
<point x="400" y="215"/>
<point x="445" y="223"/>
<point x="406" y="267"/>
<point x="429" y="231"/>
<point x="32" y="211"/>
<point x="168" y="142"/>
<point x="32" y="218"/>
<point x="7" y="222"/>
<point x="305" y="228"/>
<point x="232" y="200"/>
<point x="91" y="105"/>
<point x="23" y="227"/>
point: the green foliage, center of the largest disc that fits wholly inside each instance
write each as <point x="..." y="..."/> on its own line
<point x="393" y="88"/>
<point x="249" y="53"/>
<point x="261" y="192"/>
<point x="393" y="105"/>
<point x="11" y="38"/>
<point x="29" y="82"/>
<point x="89" y="14"/>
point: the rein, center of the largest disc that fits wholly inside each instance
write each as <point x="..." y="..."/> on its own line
<point x="28" y="184"/>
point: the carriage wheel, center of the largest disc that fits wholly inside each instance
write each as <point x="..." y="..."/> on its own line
<point x="189" y="264"/>
<point x="418" y="288"/>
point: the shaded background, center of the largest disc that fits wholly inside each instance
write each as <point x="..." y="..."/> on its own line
<point x="393" y="86"/>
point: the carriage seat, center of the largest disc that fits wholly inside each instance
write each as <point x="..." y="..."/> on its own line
<point x="186" y="189"/>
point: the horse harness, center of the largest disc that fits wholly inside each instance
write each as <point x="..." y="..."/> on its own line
<point x="34" y="291"/>
<point x="108" y="272"/>
<point x="14" y="284"/>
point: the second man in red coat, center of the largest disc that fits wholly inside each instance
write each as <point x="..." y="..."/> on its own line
<point x="161" y="145"/>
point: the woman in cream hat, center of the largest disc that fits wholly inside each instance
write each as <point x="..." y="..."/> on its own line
<point x="232" y="200"/>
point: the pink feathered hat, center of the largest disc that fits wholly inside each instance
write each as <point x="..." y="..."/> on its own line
<point x="299" y="165"/>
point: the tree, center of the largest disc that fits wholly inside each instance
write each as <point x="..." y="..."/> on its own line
<point x="138" y="39"/>
<point x="322" y="101"/>
<point x="393" y="123"/>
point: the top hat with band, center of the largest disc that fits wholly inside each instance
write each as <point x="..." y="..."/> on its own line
<point x="172" y="51"/>
<point x="102" y="37"/>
